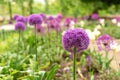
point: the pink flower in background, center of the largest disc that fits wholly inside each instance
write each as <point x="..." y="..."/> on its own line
<point x="104" y="42"/>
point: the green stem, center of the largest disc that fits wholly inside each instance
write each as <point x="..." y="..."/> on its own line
<point x="19" y="39"/>
<point x="3" y="32"/>
<point x="35" y="43"/>
<point x="48" y="43"/>
<point x="74" y="64"/>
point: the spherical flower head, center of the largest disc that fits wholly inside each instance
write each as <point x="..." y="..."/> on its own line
<point x="15" y="16"/>
<point x="35" y="19"/>
<point x="94" y="16"/>
<point x="20" y="26"/>
<point x="75" y="38"/>
<point x="54" y="24"/>
<point x="50" y="18"/>
<point x="59" y="17"/>
<point x="104" y="42"/>
<point x="67" y="22"/>
<point x="21" y="19"/>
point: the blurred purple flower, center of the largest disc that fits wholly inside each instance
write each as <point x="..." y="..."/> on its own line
<point x="39" y="29"/>
<point x="67" y="22"/>
<point x="59" y="17"/>
<point x="54" y="24"/>
<point x="118" y="19"/>
<point x="34" y="19"/>
<point x="21" y="19"/>
<point x="43" y="16"/>
<point x="103" y="42"/>
<point x="15" y="16"/>
<point x="95" y="16"/>
<point x="20" y="26"/>
<point x="75" y="38"/>
<point x="50" y="18"/>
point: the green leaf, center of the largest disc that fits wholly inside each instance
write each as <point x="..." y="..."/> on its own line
<point x="52" y="72"/>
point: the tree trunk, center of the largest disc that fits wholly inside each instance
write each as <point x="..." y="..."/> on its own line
<point x="30" y="6"/>
<point x="10" y="10"/>
<point x="22" y="8"/>
<point x="46" y="6"/>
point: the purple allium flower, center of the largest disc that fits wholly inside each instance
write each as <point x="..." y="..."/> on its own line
<point x="15" y="16"/>
<point x="75" y="38"/>
<point x="20" y="26"/>
<point x="95" y="16"/>
<point x="118" y="19"/>
<point x="59" y="17"/>
<point x="39" y="28"/>
<point x="103" y="42"/>
<point x="43" y="16"/>
<point x="50" y="18"/>
<point x="21" y="19"/>
<point x="54" y="24"/>
<point x="35" y="19"/>
<point x="67" y="22"/>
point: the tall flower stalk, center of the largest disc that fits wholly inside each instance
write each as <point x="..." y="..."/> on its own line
<point x="74" y="64"/>
<point x="35" y="19"/>
<point x="74" y="41"/>
<point x="20" y="26"/>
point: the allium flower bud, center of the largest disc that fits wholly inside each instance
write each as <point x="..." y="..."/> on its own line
<point x="75" y="38"/>
<point x="104" y="42"/>
<point x="20" y="26"/>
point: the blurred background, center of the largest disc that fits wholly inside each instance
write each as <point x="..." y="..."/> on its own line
<point x="67" y="7"/>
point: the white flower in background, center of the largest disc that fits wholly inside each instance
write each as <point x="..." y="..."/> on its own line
<point x="96" y="32"/>
<point x="82" y="23"/>
<point x="44" y="25"/>
<point x="1" y="68"/>
<point x="102" y="22"/>
<point x="114" y="21"/>
<point x="8" y="27"/>
<point x="118" y="24"/>
<point x="98" y="27"/>
<point x="63" y="32"/>
<point x="29" y="71"/>
<point x="90" y="34"/>
<point x="72" y="25"/>
<point x="115" y="47"/>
